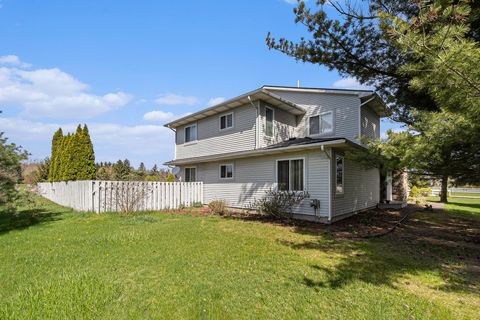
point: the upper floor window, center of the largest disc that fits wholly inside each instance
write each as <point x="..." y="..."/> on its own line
<point x="191" y="133"/>
<point x="269" y="115"/>
<point x="290" y="175"/>
<point x="190" y="174"/>
<point x="339" y="161"/>
<point x="226" y="171"/>
<point x="322" y="123"/>
<point x="226" y="121"/>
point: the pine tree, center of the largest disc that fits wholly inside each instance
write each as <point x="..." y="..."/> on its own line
<point x="141" y="167"/>
<point x="57" y="137"/>
<point x="154" y="170"/>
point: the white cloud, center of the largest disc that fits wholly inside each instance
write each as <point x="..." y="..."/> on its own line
<point x="52" y="92"/>
<point x="147" y="143"/>
<point x="172" y="99"/>
<point x="13" y="60"/>
<point x="158" y="115"/>
<point x="291" y="1"/>
<point x="215" y="101"/>
<point x="350" y="83"/>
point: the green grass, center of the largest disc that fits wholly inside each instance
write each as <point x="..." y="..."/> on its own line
<point x="465" y="194"/>
<point x="467" y="207"/>
<point x="59" y="264"/>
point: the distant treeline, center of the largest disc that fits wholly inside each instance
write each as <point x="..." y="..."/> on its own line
<point x="73" y="158"/>
<point x="122" y="171"/>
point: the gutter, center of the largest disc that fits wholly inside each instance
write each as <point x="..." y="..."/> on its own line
<point x="260" y="152"/>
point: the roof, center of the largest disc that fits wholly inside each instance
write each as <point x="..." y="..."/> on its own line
<point x="367" y="97"/>
<point x="267" y="94"/>
<point x="290" y="145"/>
<point x="259" y="94"/>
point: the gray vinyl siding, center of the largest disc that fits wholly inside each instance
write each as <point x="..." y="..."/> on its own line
<point x="345" y="110"/>
<point x="254" y="176"/>
<point x="284" y="126"/>
<point x="361" y="188"/>
<point x="370" y="123"/>
<point x="210" y="140"/>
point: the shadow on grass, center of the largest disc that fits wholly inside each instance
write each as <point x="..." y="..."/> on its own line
<point x="437" y="243"/>
<point x="22" y="219"/>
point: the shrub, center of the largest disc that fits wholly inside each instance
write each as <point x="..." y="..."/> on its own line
<point x="218" y="206"/>
<point x="419" y="195"/>
<point x="197" y="204"/>
<point x="279" y="203"/>
<point x="417" y="192"/>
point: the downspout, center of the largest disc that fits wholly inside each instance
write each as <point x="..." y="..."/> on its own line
<point x="329" y="183"/>
<point x="256" y="121"/>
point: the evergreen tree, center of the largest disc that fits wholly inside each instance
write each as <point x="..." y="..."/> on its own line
<point x="121" y="170"/>
<point x="54" y="159"/>
<point x="350" y="39"/>
<point x="154" y="170"/>
<point x="86" y="155"/>
<point x="68" y="159"/>
<point x="11" y="156"/>
<point x="142" y="168"/>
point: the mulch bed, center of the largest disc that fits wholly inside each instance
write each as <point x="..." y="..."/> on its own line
<point x="362" y="225"/>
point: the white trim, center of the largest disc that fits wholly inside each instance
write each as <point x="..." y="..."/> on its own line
<point x="330" y="132"/>
<point x="220" y="171"/>
<point x="260" y="152"/>
<point x="273" y="122"/>
<point x="318" y="90"/>
<point x="185" y="136"/>
<point x="220" y="121"/>
<point x="343" y="175"/>
<point x="289" y="173"/>
<point x="190" y="167"/>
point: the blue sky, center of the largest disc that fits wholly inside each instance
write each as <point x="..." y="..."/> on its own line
<point x="127" y="67"/>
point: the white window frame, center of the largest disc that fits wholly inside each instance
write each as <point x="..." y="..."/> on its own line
<point x="220" y="171"/>
<point x="220" y="121"/>
<point x="343" y="174"/>
<point x="289" y="173"/>
<point x="320" y="123"/>
<point x="273" y="123"/>
<point x="185" y="170"/>
<point x="185" y="134"/>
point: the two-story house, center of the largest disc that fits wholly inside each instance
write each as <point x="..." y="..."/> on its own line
<point x="284" y="138"/>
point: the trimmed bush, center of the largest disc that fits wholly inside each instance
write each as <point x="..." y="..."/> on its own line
<point x="279" y="203"/>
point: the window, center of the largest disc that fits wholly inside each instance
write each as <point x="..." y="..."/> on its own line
<point x="269" y="122"/>
<point x="226" y="121"/>
<point x="190" y="174"/>
<point x="191" y="133"/>
<point x="322" y="123"/>
<point x="290" y="175"/>
<point x="226" y="171"/>
<point x="339" y="175"/>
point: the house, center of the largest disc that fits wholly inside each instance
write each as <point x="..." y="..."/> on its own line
<point x="286" y="138"/>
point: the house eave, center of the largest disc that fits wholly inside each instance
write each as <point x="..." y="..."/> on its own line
<point x="340" y="143"/>
<point x="244" y="99"/>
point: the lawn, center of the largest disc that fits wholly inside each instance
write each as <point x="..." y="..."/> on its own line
<point x="57" y="263"/>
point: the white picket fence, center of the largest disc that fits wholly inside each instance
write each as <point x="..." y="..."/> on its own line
<point x="115" y="196"/>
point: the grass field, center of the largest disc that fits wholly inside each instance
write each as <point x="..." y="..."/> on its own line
<point x="60" y="264"/>
<point x="465" y="194"/>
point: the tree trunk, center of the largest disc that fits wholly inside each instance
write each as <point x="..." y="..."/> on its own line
<point x="444" y="191"/>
